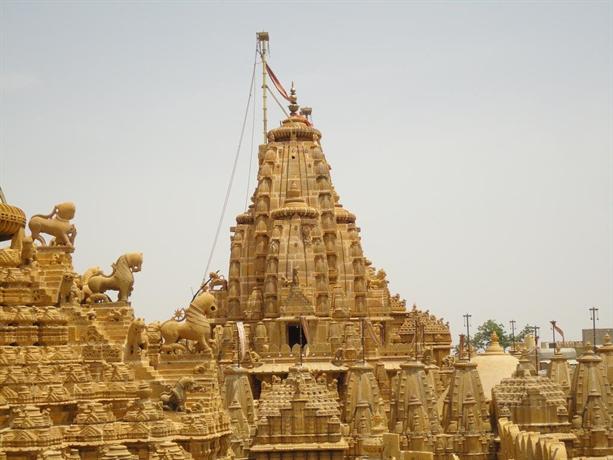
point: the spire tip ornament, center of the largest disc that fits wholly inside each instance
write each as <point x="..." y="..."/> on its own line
<point x="293" y="106"/>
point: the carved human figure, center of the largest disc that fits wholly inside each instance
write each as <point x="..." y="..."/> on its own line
<point x="217" y="281"/>
<point x="378" y="280"/>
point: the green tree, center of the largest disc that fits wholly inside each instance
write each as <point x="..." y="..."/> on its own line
<point x="519" y="337"/>
<point x="484" y="332"/>
<point x="482" y="337"/>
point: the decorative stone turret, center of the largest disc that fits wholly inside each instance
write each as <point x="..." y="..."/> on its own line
<point x="525" y="366"/>
<point x="363" y="409"/>
<point x="589" y="379"/>
<point x="298" y="418"/>
<point x="465" y="389"/>
<point x="413" y="406"/>
<point x="606" y="353"/>
<point x="559" y="371"/>
<point x="239" y="401"/>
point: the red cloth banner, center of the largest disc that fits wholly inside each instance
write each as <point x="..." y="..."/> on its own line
<point x="558" y="330"/>
<point x="277" y="83"/>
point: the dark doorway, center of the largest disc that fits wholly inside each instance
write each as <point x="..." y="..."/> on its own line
<point x="293" y="335"/>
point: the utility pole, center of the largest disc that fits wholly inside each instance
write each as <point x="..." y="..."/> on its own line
<point x="467" y="324"/>
<point x="553" y="330"/>
<point x="594" y="317"/>
<point x="536" y="348"/>
<point x="513" y="334"/>
<point x="263" y="50"/>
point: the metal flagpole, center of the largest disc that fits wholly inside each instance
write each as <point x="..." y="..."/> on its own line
<point x="263" y="50"/>
<point x="553" y="329"/>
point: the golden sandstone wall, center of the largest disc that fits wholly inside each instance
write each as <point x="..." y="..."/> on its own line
<point x="523" y="445"/>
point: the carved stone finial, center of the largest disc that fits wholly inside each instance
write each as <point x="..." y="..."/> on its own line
<point x="293" y="106"/>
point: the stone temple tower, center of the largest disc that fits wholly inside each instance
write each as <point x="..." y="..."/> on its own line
<point x="297" y="271"/>
<point x="296" y="251"/>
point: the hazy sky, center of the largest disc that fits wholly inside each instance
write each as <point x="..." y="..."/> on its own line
<point x="473" y="140"/>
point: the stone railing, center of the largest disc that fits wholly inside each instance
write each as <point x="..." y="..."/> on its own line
<point x="523" y="445"/>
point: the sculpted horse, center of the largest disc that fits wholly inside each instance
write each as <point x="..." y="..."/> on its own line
<point x="137" y="340"/>
<point x="56" y="224"/>
<point x="194" y="325"/>
<point x="121" y="280"/>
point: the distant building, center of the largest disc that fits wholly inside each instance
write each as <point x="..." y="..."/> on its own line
<point x="588" y="335"/>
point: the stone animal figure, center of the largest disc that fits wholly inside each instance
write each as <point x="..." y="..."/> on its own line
<point x="57" y="224"/>
<point x="66" y="293"/>
<point x="194" y="326"/>
<point x="85" y="295"/>
<point x="122" y="278"/>
<point x="174" y="398"/>
<point x="137" y="339"/>
<point x="173" y="349"/>
<point x="21" y="253"/>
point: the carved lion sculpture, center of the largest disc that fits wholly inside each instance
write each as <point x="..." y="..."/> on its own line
<point x="57" y="224"/>
<point x="137" y="340"/>
<point x="174" y="398"/>
<point x="194" y="326"/>
<point x="121" y="280"/>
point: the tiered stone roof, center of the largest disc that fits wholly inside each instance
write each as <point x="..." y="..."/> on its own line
<point x="298" y="414"/>
<point x="531" y="402"/>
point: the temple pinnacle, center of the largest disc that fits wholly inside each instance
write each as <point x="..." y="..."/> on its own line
<point x="293" y="107"/>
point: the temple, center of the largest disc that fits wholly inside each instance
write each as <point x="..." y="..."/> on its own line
<point x="299" y="352"/>
<point x="298" y="279"/>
